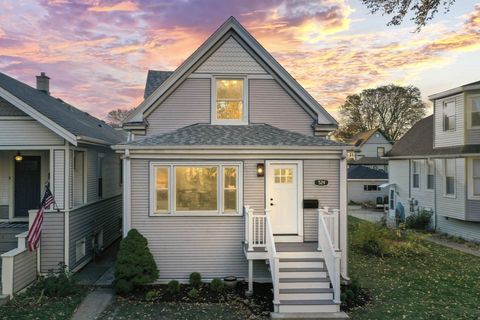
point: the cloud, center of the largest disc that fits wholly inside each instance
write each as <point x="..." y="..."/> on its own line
<point x="120" y="6"/>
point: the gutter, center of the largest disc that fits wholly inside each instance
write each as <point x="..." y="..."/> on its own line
<point x="228" y="147"/>
<point x="92" y="140"/>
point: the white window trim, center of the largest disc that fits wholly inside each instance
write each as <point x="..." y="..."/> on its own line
<point x="470" y="111"/>
<point x="444" y="104"/>
<point x="471" y="196"/>
<point x="454" y="195"/>
<point x="426" y="175"/>
<point x="213" y="110"/>
<point x="171" y="189"/>
<point x="419" y="164"/>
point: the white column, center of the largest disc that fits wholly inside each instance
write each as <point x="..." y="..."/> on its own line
<point x="343" y="214"/>
<point x="250" y="277"/>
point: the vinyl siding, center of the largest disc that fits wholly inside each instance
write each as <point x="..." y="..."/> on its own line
<point x="230" y="57"/>
<point x="8" y="241"/>
<point x="58" y="187"/>
<point x="88" y="220"/>
<point x="270" y="103"/>
<point x="425" y="198"/>
<point x="449" y="138"/>
<point x="26" y="133"/>
<point x="358" y="194"/>
<point x="180" y="245"/>
<point x="473" y="136"/>
<point x="328" y="196"/>
<point x="472" y="210"/>
<point x="5" y="167"/>
<point x="453" y="207"/>
<point x="52" y="241"/>
<point x="369" y="149"/>
<point x="399" y="174"/>
<point x="188" y="104"/>
<point x="110" y="174"/>
<point x="463" y="229"/>
<point x="254" y="187"/>
<point x="25" y="269"/>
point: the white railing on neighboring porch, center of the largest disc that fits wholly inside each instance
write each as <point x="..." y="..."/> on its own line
<point x="328" y="235"/>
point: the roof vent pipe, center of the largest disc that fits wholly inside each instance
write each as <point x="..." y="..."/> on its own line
<point x="43" y="83"/>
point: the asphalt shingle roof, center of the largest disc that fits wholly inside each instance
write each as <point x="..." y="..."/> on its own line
<point x="232" y="135"/>
<point x="65" y="115"/>
<point x="362" y="137"/>
<point x="154" y="80"/>
<point x="8" y="109"/>
<point x="369" y="160"/>
<point x="366" y="173"/>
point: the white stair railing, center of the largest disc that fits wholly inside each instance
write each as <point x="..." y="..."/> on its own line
<point x="332" y="217"/>
<point x="327" y="246"/>
<point x="273" y="259"/>
<point x="254" y="229"/>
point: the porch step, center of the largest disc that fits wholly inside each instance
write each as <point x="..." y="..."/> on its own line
<point x="300" y="255"/>
<point x="302" y="263"/>
<point x="308" y="306"/>
<point x="306" y="294"/>
<point x="303" y="272"/>
<point x="304" y="283"/>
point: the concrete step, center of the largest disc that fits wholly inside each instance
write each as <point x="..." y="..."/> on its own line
<point x="308" y="306"/>
<point x="302" y="263"/>
<point x="306" y="294"/>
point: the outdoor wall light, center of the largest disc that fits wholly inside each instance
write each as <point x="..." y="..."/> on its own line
<point x="260" y="170"/>
<point x="18" y="157"/>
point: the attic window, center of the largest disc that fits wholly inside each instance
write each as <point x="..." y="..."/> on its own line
<point x="230" y="102"/>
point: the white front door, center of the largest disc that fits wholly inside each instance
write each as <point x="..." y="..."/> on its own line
<point x="283" y="196"/>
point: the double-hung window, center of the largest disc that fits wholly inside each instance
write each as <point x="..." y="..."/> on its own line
<point x="430" y="175"/>
<point x="380" y="152"/>
<point x="475" y="112"/>
<point x="449" y="116"/>
<point x="476" y="177"/>
<point x="204" y="188"/>
<point x="416" y="174"/>
<point x="230" y="105"/>
<point x="450" y="177"/>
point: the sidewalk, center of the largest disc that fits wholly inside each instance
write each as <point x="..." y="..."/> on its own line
<point x="454" y="245"/>
<point x="94" y="304"/>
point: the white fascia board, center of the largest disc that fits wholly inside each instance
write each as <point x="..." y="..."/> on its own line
<point x="202" y="148"/>
<point x="38" y="116"/>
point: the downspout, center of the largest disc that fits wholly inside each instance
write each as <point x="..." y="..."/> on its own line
<point x="126" y="193"/>
<point x="343" y="216"/>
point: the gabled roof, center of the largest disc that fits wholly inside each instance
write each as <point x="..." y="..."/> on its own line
<point x="233" y="25"/>
<point x="466" y="87"/>
<point x="154" y="80"/>
<point x="359" y="139"/>
<point x="417" y="141"/>
<point x="62" y="118"/>
<point x="207" y="135"/>
<point x="366" y="173"/>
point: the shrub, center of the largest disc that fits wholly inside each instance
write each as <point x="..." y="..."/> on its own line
<point x="353" y="295"/>
<point x="193" y="294"/>
<point x="195" y="279"/>
<point x="173" y="287"/>
<point x="59" y="284"/>
<point x="371" y="238"/>
<point x="135" y="264"/>
<point x="216" y="286"/>
<point x="418" y="221"/>
<point x="152" y="295"/>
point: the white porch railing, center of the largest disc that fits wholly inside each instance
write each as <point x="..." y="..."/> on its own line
<point x="328" y="234"/>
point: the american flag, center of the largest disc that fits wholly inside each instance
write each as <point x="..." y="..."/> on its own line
<point x="33" y="237"/>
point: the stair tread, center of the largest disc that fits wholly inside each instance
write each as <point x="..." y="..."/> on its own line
<point x="302" y="260"/>
<point x="307" y="290"/>
<point x="308" y="302"/>
<point x="300" y="269"/>
<point x="326" y="279"/>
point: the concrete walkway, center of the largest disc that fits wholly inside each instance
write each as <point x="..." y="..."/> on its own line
<point x="453" y="245"/>
<point x="100" y="272"/>
<point x="94" y="304"/>
<point x="365" y="214"/>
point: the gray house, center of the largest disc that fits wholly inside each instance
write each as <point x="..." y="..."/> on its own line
<point x="43" y="139"/>
<point x="227" y="172"/>
<point x="436" y="165"/>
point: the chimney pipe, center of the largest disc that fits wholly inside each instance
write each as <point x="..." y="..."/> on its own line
<point x="43" y="83"/>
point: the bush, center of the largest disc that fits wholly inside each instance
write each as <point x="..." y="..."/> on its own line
<point x="216" y="286"/>
<point x="60" y="284"/>
<point x="353" y="295"/>
<point x="195" y="279"/>
<point x="173" y="287"/>
<point x="135" y="265"/>
<point x="418" y="221"/>
<point x="152" y="295"/>
<point x="193" y="294"/>
<point x="371" y="238"/>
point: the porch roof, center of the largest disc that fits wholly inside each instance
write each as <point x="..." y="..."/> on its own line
<point x="232" y="135"/>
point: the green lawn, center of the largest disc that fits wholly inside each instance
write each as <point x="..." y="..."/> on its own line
<point x="443" y="284"/>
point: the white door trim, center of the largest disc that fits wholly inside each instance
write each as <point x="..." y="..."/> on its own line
<point x="299" y="236"/>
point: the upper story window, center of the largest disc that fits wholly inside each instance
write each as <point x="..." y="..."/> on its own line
<point x="230" y="105"/>
<point x="351" y="155"/>
<point x="450" y="177"/>
<point x="475" y="113"/>
<point x="416" y="174"/>
<point x="449" y="116"/>
<point x="380" y="151"/>
<point x="430" y="175"/>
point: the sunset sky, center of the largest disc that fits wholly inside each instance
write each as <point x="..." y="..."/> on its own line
<point x="97" y="53"/>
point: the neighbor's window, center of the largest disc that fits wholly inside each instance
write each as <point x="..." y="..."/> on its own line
<point x="475" y="116"/>
<point x="351" y="155"/>
<point x="450" y="176"/>
<point x="476" y="177"/>
<point x="416" y="174"/>
<point x="371" y="187"/>
<point x="100" y="159"/>
<point x="430" y="175"/>
<point x="229" y="104"/>
<point x="78" y="177"/>
<point x="449" y="116"/>
<point x="161" y="194"/>
<point x="380" y="151"/>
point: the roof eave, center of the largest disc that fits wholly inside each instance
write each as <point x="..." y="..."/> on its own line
<point x="227" y="147"/>
<point x="454" y="91"/>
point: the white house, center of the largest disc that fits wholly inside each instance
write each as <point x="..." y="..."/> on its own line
<point x="227" y="172"/>
<point x="371" y="146"/>
<point x="436" y="165"/>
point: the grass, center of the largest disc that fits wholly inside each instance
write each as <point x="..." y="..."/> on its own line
<point x="29" y="305"/>
<point x="442" y="284"/>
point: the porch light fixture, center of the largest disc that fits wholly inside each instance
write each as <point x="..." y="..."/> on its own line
<point x="260" y="170"/>
<point x="18" y="157"/>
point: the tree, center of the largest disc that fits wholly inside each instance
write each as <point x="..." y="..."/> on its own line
<point x="117" y="116"/>
<point x="422" y="10"/>
<point x="392" y="109"/>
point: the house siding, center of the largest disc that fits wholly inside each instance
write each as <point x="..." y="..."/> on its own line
<point x="86" y="221"/>
<point x="358" y="194"/>
<point x="473" y="136"/>
<point x="369" y="148"/>
<point x="453" y="207"/>
<point x="270" y="103"/>
<point x="230" y="57"/>
<point x="328" y="196"/>
<point x="399" y="174"/>
<point x="52" y="241"/>
<point x="26" y="133"/>
<point x="59" y="177"/>
<point x="472" y="211"/>
<point x="463" y="229"/>
<point x="188" y="104"/>
<point x="425" y="197"/>
<point x="254" y="187"/>
<point x="450" y="138"/>
<point x="25" y="269"/>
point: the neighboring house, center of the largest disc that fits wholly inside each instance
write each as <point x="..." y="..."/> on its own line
<point x="45" y="139"/>
<point x="364" y="184"/>
<point x="225" y="137"/>
<point x="372" y="146"/>
<point x="436" y="165"/>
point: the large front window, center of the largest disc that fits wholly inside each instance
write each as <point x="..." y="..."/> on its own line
<point x="229" y="101"/>
<point x="449" y="116"/>
<point x="203" y="188"/>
